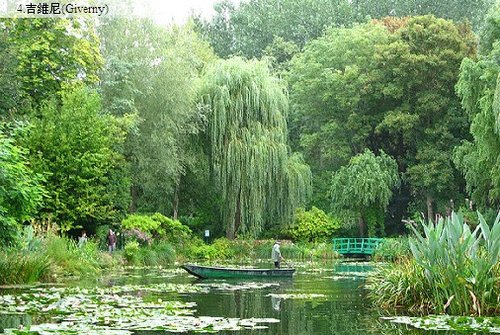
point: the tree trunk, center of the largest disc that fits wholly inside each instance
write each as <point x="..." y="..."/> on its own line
<point x="362" y="227"/>
<point x="430" y="211"/>
<point x="175" y="205"/>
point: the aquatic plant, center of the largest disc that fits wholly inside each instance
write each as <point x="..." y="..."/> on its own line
<point x="121" y="310"/>
<point x="19" y="268"/>
<point x="454" y="270"/>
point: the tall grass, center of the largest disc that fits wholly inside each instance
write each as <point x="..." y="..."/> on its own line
<point x="39" y="259"/>
<point x="17" y="267"/>
<point x="159" y="253"/>
<point x="454" y="270"/>
<point x="69" y="259"/>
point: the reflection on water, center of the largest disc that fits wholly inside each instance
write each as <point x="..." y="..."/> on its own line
<point x="320" y="299"/>
<point x="276" y="302"/>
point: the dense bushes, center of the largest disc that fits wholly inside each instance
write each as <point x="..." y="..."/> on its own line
<point x="249" y="251"/>
<point x="453" y="270"/>
<point x="20" y="188"/>
<point x="313" y="225"/>
<point x="157" y="226"/>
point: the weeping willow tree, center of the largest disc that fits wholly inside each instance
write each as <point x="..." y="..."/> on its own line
<point x="259" y="180"/>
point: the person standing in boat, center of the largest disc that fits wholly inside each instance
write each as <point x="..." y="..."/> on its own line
<point x="276" y="254"/>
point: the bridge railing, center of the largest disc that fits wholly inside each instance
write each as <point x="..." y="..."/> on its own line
<point x="356" y="245"/>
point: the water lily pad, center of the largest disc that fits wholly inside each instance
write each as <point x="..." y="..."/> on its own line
<point x="119" y="310"/>
<point x="447" y="322"/>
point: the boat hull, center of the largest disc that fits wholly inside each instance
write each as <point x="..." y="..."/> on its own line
<point x="209" y="272"/>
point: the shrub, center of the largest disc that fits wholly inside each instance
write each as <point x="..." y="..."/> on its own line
<point x="172" y="230"/>
<point x="131" y="252"/>
<point x="313" y="225"/>
<point x="140" y="222"/>
<point x="158" y="226"/>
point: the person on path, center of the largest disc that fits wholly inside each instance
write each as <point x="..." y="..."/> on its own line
<point x="111" y="241"/>
<point x="276" y="254"/>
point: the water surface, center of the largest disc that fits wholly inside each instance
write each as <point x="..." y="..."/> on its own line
<point x="320" y="299"/>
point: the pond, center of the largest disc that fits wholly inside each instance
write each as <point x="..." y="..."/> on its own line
<point x="320" y="299"/>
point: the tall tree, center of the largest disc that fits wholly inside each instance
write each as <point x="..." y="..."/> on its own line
<point x="76" y="147"/>
<point x="248" y="29"/>
<point x="479" y="88"/>
<point x="337" y="100"/>
<point x="153" y="72"/>
<point x="51" y="53"/>
<point x="427" y="122"/>
<point x="10" y="103"/>
<point x="363" y="189"/>
<point x="259" y="181"/>
<point x="386" y="85"/>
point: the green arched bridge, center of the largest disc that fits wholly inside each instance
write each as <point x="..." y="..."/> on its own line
<point x="362" y="246"/>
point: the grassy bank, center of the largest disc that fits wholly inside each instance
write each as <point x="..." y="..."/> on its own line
<point x="52" y="257"/>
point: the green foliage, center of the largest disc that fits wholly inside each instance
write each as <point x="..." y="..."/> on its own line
<point x="478" y="86"/>
<point x="131" y="252"/>
<point x="52" y="53"/>
<point x="400" y="284"/>
<point x="257" y="178"/>
<point x="154" y="73"/>
<point x="158" y="225"/>
<point x="336" y="100"/>
<point x="392" y="250"/>
<point x="392" y="90"/>
<point x="426" y="123"/>
<point x="253" y="26"/>
<point x="365" y="184"/>
<point x="171" y="230"/>
<point x="313" y="225"/>
<point x="248" y="251"/>
<point x="455" y="270"/>
<point x="144" y="223"/>
<point x="456" y="265"/>
<point x="23" y="268"/>
<point x="20" y="189"/>
<point x="76" y="148"/>
<point x="68" y="259"/>
<point x="10" y="84"/>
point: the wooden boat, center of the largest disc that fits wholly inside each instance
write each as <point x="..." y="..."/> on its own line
<point x="207" y="272"/>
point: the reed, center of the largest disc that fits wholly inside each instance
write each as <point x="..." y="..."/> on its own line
<point x="17" y="267"/>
